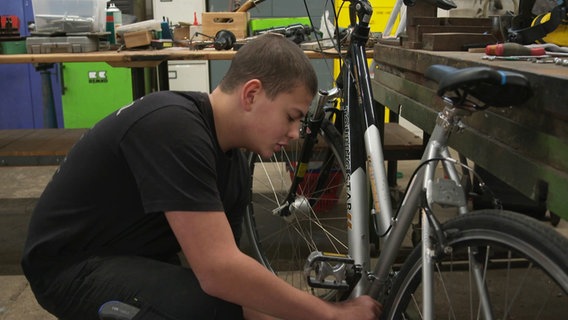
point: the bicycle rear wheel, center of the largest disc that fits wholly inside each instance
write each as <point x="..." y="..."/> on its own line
<point x="283" y="244"/>
<point x="523" y="264"/>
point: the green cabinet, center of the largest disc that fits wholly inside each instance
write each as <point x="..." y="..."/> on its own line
<point x="91" y="91"/>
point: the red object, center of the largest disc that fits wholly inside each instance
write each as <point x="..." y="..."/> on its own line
<point x="10" y="24"/>
<point x="330" y="196"/>
<point x="512" y="49"/>
<point x="195" y="23"/>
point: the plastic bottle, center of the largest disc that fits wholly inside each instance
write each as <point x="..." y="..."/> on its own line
<point x="195" y="29"/>
<point x="114" y="20"/>
<point x="195" y="22"/>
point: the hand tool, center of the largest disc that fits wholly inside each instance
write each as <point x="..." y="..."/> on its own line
<point x="512" y="49"/>
<point x="249" y="4"/>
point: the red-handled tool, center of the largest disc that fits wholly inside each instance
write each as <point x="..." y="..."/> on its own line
<point x="248" y="5"/>
<point x="512" y="49"/>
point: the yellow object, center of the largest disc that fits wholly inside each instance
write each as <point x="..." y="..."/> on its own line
<point x="559" y="36"/>
<point x="381" y="13"/>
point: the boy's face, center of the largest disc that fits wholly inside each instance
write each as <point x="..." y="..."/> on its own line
<point x="279" y="120"/>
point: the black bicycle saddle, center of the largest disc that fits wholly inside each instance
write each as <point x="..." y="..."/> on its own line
<point x="493" y="87"/>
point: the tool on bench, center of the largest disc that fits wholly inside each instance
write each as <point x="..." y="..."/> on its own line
<point x="295" y="32"/>
<point x="512" y="49"/>
<point x="556" y="61"/>
<point x="248" y="5"/>
<point x="223" y="40"/>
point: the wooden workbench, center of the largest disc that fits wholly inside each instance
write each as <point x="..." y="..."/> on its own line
<point x="50" y="146"/>
<point x="526" y="146"/>
<point x="138" y="58"/>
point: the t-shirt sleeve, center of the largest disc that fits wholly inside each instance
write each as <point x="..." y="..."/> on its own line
<point x="171" y="154"/>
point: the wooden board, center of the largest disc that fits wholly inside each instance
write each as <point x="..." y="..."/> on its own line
<point x="33" y="144"/>
<point x="526" y="146"/>
<point x="36" y="146"/>
<point x="399" y="138"/>
<point x="142" y="58"/>
<point x="456" y="41"/>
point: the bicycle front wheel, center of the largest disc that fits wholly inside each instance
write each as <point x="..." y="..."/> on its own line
<point x="520" y="263"/>
<point x="318" y="222"/>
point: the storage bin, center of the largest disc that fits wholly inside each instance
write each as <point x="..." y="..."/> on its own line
<point x="74" y="44"/>
<point x="236" y="22"/>
<point x="69" y="16"/>
<point x="13" y="47"/>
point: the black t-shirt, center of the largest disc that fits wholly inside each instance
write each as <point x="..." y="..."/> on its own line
<point x="109" y="195"/>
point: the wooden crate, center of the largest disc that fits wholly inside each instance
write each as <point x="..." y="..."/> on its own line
<point x="137" y="38"/>
<point x="236" y="22"/>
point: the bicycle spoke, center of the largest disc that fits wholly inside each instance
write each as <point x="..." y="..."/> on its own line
<point x="492" y="272"/>
<point x="316" y="220"/>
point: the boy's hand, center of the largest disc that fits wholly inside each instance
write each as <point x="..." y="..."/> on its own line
<point x="361" y="308"/>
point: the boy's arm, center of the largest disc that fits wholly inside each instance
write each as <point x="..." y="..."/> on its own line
<point x="225" y="272"/>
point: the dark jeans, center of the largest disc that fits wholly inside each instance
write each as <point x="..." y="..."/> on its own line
<point x="161" y="290"/>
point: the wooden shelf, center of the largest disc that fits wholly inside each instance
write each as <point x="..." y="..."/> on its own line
<point x="36" y="146"/>
<point x="50" y="146"/>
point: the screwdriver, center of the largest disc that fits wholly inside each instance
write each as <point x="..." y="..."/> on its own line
<point x="512" y="49"/>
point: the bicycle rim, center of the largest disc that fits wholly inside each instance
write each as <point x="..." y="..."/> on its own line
<point x="283" y="244"/>
<point x="523" y="266"/>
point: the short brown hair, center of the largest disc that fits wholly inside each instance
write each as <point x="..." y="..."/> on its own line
<point x="277" y="62"/>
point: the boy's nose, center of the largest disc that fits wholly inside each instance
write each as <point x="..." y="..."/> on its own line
<point x="294" y="132"/>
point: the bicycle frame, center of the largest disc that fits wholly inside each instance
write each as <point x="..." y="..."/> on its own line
<point x="435" y="152"/>
<point x="365" y="170"/>
<point x="364" y="163"/>
<point x="362" y="156"/>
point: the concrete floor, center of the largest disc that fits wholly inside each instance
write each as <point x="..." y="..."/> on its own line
<point x="19" y="190"/>
<point x="18" y="193"/>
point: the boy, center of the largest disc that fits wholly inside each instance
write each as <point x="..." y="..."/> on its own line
<point x="165" y="174"/>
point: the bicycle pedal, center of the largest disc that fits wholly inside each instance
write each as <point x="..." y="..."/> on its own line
<point x="328" y="270"/>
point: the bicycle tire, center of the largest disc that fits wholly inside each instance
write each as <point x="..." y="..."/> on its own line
<point x="282" y="244"/>
<point x="525" y="265"/>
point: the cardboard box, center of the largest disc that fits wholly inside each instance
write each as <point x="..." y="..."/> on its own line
<point x="181" y="33"/>
<point x="236" y="22"/>
<point x="137" y="39"/>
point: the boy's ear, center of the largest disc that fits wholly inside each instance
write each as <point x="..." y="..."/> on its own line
<point x="249" y="93"/>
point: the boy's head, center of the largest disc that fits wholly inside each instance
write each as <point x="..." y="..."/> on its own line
<point x="274" y="60"/>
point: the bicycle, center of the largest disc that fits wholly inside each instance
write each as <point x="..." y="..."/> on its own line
<point x="326" y="198"/>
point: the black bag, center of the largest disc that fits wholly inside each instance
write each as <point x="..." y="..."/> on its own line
<point x="549" y="27"/>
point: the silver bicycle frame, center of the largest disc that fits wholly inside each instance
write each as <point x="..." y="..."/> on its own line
<point x="435" y="150"/>
<point x="364" y="165"/>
